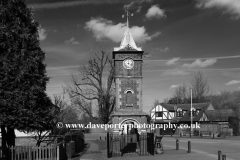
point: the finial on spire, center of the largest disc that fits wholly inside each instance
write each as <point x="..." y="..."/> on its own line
<point x="128" y="14"/>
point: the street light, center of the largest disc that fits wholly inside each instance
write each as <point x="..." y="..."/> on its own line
<point x="191" y="115"/>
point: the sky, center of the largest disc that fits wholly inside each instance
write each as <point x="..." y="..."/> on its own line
<point x="181" y="38"/>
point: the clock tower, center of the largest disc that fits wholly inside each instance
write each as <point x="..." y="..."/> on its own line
<point x="128" y="80"/>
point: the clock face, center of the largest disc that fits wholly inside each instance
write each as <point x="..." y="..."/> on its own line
<point x="128" y="63"/>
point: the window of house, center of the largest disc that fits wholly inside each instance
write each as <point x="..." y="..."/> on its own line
<point x="179" y="112"/>
<point x="159" y="114"/>
<point x="184" y="112"/>
<point x="194" y="112"/>
<point x="198" y="110"/>
<point x="129" y="101"/>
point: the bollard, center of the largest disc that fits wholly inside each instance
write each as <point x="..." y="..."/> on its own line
<point x="100" y="137"/>
<point x="180" y="134"/>
<point x="213" y="136"/>
<point x="189" y="146"/>
<point x="108" y="146"/>
<point x="219" y="155"/>
<point x="224" y="157"/>
<point x="177" y="144"/>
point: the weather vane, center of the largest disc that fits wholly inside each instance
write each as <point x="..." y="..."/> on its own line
<point x="127" y="14"/>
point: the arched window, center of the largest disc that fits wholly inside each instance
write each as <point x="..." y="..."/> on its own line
<point x="194" y="112"/>
<point x="129" y="98"/>
<point x="179" y="112"/>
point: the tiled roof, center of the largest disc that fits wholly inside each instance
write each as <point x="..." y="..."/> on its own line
<point x="220" y="115"/>
<point x="170" y="107"/>
<point x="128" y="43"/>
<point x="187" y="117"/>
<point x="128" y="112"/>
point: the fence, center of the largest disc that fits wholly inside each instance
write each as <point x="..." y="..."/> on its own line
<point x="66" y="147"/>
<point x="31" y="153"/>
<point x="60" y="151"/>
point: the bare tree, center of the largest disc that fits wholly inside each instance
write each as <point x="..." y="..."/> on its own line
<point x="156" y="102"/>
<point x="94" y="84"/>
<point x="200" y="87"/>
<point x="180" y="94"/>
<point x="166" y="100"/>
<point x="84" y="105"/>
<point x="43" y="137"/>
<point x="66" y="113"/>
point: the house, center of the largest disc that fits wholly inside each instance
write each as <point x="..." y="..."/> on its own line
<point x="210" y="120"/>
<point x="180" y="113"/>
<point x="227" y="119"/>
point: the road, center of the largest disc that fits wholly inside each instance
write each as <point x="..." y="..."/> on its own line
<point x="210" y="147"/>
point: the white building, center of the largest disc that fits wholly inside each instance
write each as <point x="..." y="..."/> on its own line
<point x="163" y="113"/>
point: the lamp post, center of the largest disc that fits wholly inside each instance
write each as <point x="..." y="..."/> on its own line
<point x="175" y="109"/>
<point x="191" y="115"/>
<point x="175" y="115"/>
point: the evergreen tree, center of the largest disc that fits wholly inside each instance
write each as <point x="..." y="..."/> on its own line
<point x="24" y="104"/>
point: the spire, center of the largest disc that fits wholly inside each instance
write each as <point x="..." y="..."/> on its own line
<point x="128" y="42"/>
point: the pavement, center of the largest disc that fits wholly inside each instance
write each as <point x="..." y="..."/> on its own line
<point x="170" y="153"/>
<point x="91" y="153"/>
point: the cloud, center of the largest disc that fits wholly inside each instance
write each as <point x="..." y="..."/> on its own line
<point x="200" y="63"/>
<point x="158" y="49"/>
<point x="136" y="5"/>
<point x="72" y="41"/>
<point x="61" y="67"/>
<point x="139" y="9"/>
<point x="175" y="72"/>
<point x="42" y="33"/>
<point x="172" y="61"/>
<point x="174" y="86"/>
<point x="164" y="49"/>
<point x="155" y="12"/>
<point x="233" y="82"/>
<point x="56" y="5"/>
<point x="129" y="5"/>
<point x="230" y="6"/>
<point x="103" y="28"/>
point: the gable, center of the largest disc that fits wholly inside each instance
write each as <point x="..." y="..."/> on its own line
<point x="210" y="107"/>
<point x="158" y="108"/>
<point x="204" y="117"/>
